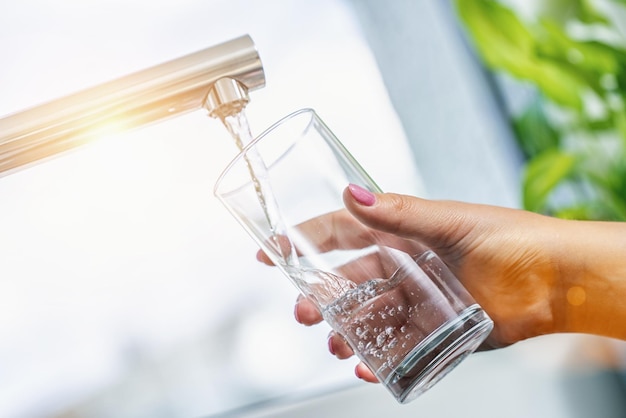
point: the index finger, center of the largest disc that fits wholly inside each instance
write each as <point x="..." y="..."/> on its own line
<point x="338" y="230"/>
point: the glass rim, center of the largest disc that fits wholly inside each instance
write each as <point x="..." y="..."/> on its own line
<point x="252" y="144"/>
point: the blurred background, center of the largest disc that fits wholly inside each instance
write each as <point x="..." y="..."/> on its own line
<point x="127" y="291"/>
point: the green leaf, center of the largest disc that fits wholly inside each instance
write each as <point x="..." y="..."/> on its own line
<point x="505" y="43"/>
<point x="592" y="211"/>
<point x="499" y="35"/>
<point x="586" y="78"/>
<point x="612" y="208"/>
<point x="606" y="208"/>
<point x="568" y="10"/>
<point x="619" y="119"/>
<point x="598" y="125"/>
<point x="584" y="212"/>
<point x="559" y="84"/>
<point x="543" y="173"/>
<point x="533" y="130"/>
<point x="588" y="55"/>
<point x="588" y="13"/>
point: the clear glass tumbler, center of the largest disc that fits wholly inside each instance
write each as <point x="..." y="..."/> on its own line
<point x="399" y="307"/>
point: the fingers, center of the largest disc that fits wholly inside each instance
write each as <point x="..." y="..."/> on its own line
<point x="393" y="219"/>
<point x="364" y="373"/>
<point x="331" y="231"/>
<point x="306" y="312"/>
<point x="340" y="349"/>
<point x="336" y="231"/>
<point x="338" y="346"/>
<point x="281" y="245"/>
<point x="263" y="258"/>
<point x="433" y="223"/>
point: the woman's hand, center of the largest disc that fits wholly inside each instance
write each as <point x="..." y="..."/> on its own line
<point x="532" y="274"/>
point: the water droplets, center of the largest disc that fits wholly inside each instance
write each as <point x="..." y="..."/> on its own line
<point x="382" y="323"/>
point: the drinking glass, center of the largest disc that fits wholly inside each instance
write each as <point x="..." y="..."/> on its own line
<point x="398" y="306"/>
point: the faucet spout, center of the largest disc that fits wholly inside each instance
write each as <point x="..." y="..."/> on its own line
<point x="227" y="97"/>
<point x="217" y="78"/>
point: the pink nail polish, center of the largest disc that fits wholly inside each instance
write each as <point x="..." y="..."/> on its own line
<point x="330" y="345"/>
<point x="361" y="195"/>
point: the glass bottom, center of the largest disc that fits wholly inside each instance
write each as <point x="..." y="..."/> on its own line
<point x="438" y="354"/>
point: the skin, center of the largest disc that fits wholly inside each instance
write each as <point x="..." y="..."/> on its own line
<point x="534" y="275"/>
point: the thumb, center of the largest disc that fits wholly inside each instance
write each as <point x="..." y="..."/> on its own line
<point x="434" y="224"/>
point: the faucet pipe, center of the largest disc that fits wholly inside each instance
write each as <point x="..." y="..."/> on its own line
<point x="217" y="78"/>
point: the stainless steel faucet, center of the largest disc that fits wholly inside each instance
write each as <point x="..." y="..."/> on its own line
<point x="217" y="78"/>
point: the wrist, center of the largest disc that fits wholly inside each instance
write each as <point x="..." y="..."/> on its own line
<point x="588" y="296"/>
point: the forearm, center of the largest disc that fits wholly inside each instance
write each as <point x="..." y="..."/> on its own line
<point x="591" y="295"/>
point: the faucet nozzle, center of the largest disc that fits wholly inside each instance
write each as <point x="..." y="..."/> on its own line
<point x="226" y="97"/>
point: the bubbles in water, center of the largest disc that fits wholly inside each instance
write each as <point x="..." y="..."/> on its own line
<point x="380" y="339"/>
<point x="362" y="333"/>
<point x="392" y="344"/>
<point x="352" y="297"/>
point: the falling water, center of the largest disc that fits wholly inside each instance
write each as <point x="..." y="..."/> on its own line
<point x="322" y="285"/>
<point x="237" y="125"/>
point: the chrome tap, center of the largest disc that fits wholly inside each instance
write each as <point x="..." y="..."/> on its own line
<point x="217" y="79"/>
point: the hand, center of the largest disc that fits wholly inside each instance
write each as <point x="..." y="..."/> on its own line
<point x="532" y="274"/>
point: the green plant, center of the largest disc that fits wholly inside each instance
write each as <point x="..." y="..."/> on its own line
<point x="571" y="54"/>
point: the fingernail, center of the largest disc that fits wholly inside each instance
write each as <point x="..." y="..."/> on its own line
<point x="361" y="195"/>
<point x="330" y="344"/>
<point x="357" y="373"/>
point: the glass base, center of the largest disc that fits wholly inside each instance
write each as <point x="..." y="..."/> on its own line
<point x="437" y="355"/>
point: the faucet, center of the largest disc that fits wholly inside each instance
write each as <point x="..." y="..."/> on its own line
<point x="217" y="79"/>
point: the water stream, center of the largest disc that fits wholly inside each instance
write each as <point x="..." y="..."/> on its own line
<point x="239" y="128"/>
<point x="322" y="286"/>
